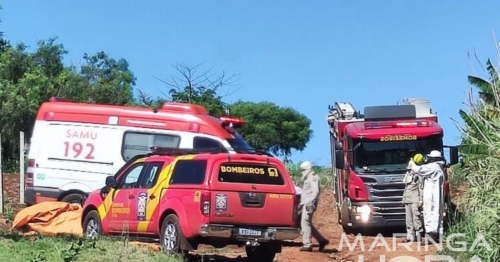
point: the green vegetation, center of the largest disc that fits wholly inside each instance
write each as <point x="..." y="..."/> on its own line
<point x="66" y="249"/>
<point x="325" y="174"/>
<point x="273" y="128"/>
<point x="28" y="78"/>
<point x="479" y="206"/>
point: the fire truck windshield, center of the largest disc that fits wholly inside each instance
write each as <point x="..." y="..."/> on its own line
<point x="377" y="156"/>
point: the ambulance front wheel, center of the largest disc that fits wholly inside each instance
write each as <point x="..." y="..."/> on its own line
<point x="92" y="227"/>
<point x="74" y="198"/>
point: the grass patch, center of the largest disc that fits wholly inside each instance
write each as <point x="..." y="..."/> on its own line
<point x="480" y="214"/>
<point x="64" y="249"/>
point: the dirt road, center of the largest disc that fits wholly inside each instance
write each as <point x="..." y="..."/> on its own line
<point x="325" y="221"/>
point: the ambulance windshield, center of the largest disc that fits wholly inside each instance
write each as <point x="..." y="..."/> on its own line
<point x="237" y="142"/>
<point x="390" y="156"/>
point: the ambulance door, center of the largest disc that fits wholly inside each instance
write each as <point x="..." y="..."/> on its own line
<point x="121" y="216"/>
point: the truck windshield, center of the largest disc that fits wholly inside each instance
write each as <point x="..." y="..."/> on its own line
<point x="377" y="156"/>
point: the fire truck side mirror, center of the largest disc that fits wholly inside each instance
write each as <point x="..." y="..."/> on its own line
<point x="339" y="159"/>
<point x="453" y="155"/>
<point x="338" y="146"/>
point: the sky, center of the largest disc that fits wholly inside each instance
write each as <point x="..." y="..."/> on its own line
<point x="301" y="54"/>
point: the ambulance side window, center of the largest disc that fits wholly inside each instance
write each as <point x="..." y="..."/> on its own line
<point x="138" y="143"/>
<point x="130" y="179"/>
<point x="200" y="142"/>
<point x="190" y="172"/>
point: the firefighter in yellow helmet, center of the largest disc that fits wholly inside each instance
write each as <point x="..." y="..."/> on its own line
<point x="418" y="159"/>
<point x="432" y="174"/>
<point x="412" y="198"/>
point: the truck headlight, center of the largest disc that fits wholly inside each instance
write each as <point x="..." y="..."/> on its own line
<point x="362" y="212"/>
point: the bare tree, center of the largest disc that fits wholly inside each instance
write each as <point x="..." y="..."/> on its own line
<point x="191" y="79"/>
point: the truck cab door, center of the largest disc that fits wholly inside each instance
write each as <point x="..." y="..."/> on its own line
<point x="121" y="215"/>
<point x="144" y="207"/>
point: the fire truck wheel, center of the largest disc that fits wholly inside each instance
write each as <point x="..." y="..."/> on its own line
<point x="348" y="230"/>
<point x="171" y="235"/>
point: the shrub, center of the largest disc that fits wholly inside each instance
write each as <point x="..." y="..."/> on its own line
<point x="481" y="171"/>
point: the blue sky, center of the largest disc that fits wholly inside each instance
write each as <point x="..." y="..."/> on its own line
<point x="302" y="54"/>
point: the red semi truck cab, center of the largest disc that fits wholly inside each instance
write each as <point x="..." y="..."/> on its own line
<point x="370" y="154"/>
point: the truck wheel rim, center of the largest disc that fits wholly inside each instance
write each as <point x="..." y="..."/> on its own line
<point x="170" y="237"/>
<point x="92" y="229"/>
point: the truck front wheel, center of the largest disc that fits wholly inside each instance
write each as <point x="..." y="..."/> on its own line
<point x="92" y="227"/>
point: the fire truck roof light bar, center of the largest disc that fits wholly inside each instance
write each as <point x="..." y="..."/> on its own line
<point x="397" y="124"/>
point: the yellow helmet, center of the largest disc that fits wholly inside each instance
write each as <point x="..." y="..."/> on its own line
<point x="418" y="159"/>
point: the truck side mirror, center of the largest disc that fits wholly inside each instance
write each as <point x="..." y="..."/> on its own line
<point x="339" y="159"/>
<point x="454" y="155"/>
<point x="110" y="182"/>
<point x="338" y="145"/>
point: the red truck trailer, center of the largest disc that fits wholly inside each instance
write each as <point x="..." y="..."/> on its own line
<point x="370" y="154"/>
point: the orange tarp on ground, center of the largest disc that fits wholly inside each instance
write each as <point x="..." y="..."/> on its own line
<point x="53" y="218"/>
<point x="50" y="218"/>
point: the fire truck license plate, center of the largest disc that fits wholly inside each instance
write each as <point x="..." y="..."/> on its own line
<point x="249" y="232"/>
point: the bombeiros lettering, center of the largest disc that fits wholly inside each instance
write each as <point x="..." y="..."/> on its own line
<point x="243" y="170"/>
<point x="398" y="137"/>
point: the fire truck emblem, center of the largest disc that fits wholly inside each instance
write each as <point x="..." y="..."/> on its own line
<point x="220" y="202"/>
<point x="141" y="206"/>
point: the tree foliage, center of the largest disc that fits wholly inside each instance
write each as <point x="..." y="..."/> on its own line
<point x="29" y="78"/>
<point x="480" y="120"/>
<point x="278" y="130"/>
<point x="481" y="170"/>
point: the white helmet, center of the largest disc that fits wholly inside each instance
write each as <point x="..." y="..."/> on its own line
<point x="306" y="165"/>
<point x="305" y="168"/>
<point x="435" y="154"/>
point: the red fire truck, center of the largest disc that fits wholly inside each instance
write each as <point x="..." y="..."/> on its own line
<point x="370" y="154"/>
